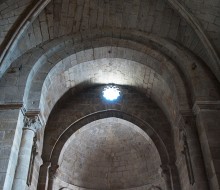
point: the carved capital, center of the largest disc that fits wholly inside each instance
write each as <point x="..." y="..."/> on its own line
<point x="32" y="123"/>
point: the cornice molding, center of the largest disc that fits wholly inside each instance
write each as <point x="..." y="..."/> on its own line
<point x="11" y="105"/>
<point x="205" y="106"/>
<point x="197" y="108"/>
<point x="33" y="113"/>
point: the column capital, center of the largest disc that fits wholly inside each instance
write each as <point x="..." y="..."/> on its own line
<point x="32" y="123"/>
<point x="205" y="106"/>
<point x="31" y="120"/>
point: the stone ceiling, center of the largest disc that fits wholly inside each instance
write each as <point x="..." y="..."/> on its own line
<point x="27" y="24"/>
<point x="49" y="48"/>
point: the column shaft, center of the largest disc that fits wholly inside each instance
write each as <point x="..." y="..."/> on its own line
<point x="21" y="174"/>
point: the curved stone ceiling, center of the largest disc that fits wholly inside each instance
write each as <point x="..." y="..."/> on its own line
<point x="110" y="153"/>
<point x="105" y="71"/>
<point x="82" y="16"/>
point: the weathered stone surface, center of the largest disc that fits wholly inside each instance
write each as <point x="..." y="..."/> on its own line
<point x="8" y="123"/>
<point x="164" y="54"/>
<point x="110" y="154"/>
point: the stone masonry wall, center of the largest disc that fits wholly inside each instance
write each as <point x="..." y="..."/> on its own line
<point x="8" y="123"/>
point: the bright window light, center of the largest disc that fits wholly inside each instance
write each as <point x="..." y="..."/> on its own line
<point x="111" y="93"/>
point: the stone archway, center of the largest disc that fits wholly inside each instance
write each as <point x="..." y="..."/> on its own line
<point x="109" y="153"/>
<point x="165" y="49"/>
<point x="133" y="107"/>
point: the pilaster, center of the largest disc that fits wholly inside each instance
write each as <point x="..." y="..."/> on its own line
<point x="190" y="158"/>
<point x="208" y="124"/>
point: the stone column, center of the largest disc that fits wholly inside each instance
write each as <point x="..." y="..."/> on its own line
<point x="21" y="174"/>
<point x="208" y="125"/>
